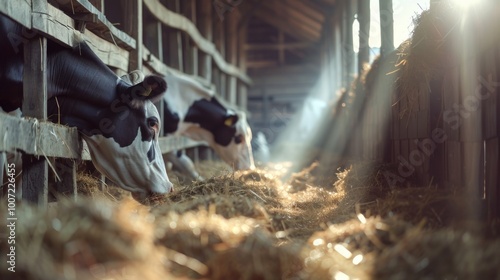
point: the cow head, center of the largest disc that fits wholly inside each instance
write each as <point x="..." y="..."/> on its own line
<point x="237" y="152"/>
<point x="123" y="136"/>
<point x="227" y="132"/>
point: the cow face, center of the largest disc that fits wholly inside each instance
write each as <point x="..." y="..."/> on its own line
<point x="123" y="137"/>
<point x="238" y="152"/>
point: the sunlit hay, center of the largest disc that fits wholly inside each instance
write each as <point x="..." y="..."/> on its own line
<point x="254" y="184"/>
<point x="257" y="257"/>
<point x="431" y="49"/>
<point x="225" y="205"/>
<point x="90" y="186"/>
<point x="213" y="168"/>
<point x="84" y="240"/>
<point x="200" y="236"/>
<point x="443" y="254"/>
<point x="349" y="249"/>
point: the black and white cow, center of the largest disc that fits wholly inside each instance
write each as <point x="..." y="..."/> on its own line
<point x="117" y="120"/>
<point x="192" y="110"/>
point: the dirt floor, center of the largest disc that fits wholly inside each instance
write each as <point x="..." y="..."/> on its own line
<point x="324" y="222"/>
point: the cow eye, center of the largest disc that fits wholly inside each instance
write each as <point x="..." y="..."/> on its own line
<point x="152" y="122"/>
<point x="238" y="139"/>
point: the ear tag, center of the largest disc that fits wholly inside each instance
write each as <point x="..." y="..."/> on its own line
<point x="229" y="122"/>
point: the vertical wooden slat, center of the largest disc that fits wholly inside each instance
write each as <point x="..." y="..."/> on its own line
<point x="492" y="155"/>
<point x="364" y="33"/>
<point x="35" y="170"/>
<point x="66" y="170"/>
<point x="242" y="96"/>
<point x="386" y="26"/>
<point x="205" y="26"/>
<point x="133" y="26"/>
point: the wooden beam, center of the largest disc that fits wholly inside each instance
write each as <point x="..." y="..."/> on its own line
<point x="19" y="11"/>
<point x="176" y="21"/>
<point x="96" y="21"/>
<point x="386" y="26"/>
<point x="284" y="46"/>
<point x="273" y="19"/>
<point x="133" y="26"/>
<point x="35" y="169"/>
<point x="364" y="33"/>
<point x="281" y="49"/>
<point x="205" y="26"/>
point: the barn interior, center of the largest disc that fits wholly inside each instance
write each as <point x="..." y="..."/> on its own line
<point x="375" y="139"/>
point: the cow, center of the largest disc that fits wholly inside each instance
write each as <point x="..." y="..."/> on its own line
<point x="117" y="119"/>
<point x="193" y="110"/>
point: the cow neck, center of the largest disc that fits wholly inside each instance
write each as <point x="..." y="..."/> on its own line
<point x="85" y="76"/>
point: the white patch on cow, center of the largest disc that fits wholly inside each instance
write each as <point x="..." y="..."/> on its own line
<point x="129" y="166"/>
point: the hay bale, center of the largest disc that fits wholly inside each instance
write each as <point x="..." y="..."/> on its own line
<point x="443" y="254"/>
<point x="84" y="240"/>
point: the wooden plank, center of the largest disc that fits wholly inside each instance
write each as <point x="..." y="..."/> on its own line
<point x="473" y="168"/>
<point x="153" y="37"/>
<point x="423" y="130"/>
<point x="35" y="170"/>
<point x="454" y="158"/>
<point x="205" y="26"/>
<point x="180" y="22"/>
<point x="39" y="138"/>
<point x="98" y="23"/>
<point x="173" y="143"/>
<point x="242" y="96"/>
<point x="413" y="125"/>
<point x="492" y="154"/>
<point x="19" y="11"/>
<point x="133" y="26"/>
<point x="66" y="170"/>
<point x="364" y="33"/>
<point x="386" y="26"/>
<point x="232" y="90"/>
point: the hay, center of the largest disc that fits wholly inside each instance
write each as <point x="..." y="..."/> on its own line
<point x="83" y="240"/>
<point x="344" y="222"/>
<point x="230" y="248"/>
<point x="90" y="186"/>
<point x="350" y="248"/>
<point x="443" y="254"/>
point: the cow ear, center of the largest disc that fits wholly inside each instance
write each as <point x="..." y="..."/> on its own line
<point x="230" y="120"/>
<point x="152" y="88"/>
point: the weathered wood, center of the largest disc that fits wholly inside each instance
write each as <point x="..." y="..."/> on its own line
<point x="66" y="170"/>
<point x="153" y="37"/>
<point x="242" y="96"/>
<point x="98" y="23"/>
<point x="39" y="138"/>
<point x="364" y="33"/>
<point x="98" y="4"/>
<point x="133" y="26"/>
<point x="386" y="26"/>
<point x="181" y="23"/>
<point x="35" y="170"/>
<point x="19" y="11"/>
<point x="492" y="154"/>
<point x="173" y="143"/>
<point x="205" y="27"/>
<point x="231" y="90"/>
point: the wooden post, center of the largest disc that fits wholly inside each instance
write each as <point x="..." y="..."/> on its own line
<point x="153" y="38"/>
<point x="364" y="33"/>
<point x="386" y="26"/>
<point x="348" y="43"/>
<point x="66" y="169"/>
<point x="35" y="170"/>
<point x="133" y="26"/>
<point x="242" y="96"/>
<point x="204" y="10"/>
<point x="231" y="26"/>
<point x="175" y="54"/>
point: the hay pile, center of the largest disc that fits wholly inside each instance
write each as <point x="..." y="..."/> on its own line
<point x="87" y="239"/>
<point x="250" y="225"/>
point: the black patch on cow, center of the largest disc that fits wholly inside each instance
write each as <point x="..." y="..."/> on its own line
<point x="151" y="153"/>
<point x="210" y="115"/>
<point x="170" y="119"/>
